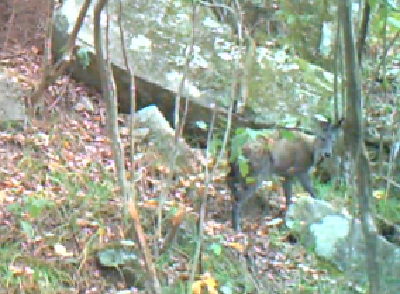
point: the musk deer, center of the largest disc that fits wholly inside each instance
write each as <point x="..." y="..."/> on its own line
<point x="289" y="158"/>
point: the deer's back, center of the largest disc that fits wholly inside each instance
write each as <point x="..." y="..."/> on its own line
<point x="292" y="156"/>
<point x="272" y="155"/>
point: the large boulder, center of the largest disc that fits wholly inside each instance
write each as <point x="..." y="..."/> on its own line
<point x="338" y="238"/>
<point x="158" y="35"/>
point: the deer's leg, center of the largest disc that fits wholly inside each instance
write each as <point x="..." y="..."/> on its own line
<point x="305" y="181"/>
<point x="240" y="196"/>
<point x="287" y="184"/>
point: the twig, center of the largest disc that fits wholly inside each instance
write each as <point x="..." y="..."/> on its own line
<point x="180" y="125"/>
<point x="203" y="207"/>
<point x="10" y="22"/>
<point x="50" y="75"/>
<point x="131" y="73"/>
<point x="151" y="271"/>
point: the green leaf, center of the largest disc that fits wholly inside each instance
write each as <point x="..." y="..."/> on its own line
<point x="388" y="110"/>
<point x="394" y="22"/>
<point x="216" y="248"/>
<point x="27" y="229"/>
<point x="201" y="125"/>
<point x="14" y="208"/>
<point x="214" y="146"/>
<point x="250" y="180"/>
<point x="83" y="56"/>
<point x="243" y="166"/>
<point x="236" y="145"/>
<point x="286" y="134"/>
<point x="239" y="131"/>
<point x="35" y="206"/>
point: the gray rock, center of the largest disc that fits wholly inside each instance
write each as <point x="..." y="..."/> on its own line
<point x="160" y="137"/>
<point x="11" y="105"/>
<point x="338" y="238"/>
<point x="158" y="35"/>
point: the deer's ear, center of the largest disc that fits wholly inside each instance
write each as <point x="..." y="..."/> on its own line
<point x="339" y="124"/>
<point x="323" y="124"/>
<point x="322" y="121"/>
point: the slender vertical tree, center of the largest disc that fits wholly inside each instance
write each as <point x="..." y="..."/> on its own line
<point x="354" y="143"/>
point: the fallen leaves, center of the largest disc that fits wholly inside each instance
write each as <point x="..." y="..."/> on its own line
<point x="60" y="250"/>
<point x="207" y="282"/>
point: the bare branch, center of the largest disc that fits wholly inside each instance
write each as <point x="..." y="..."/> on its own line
<point x="50" y="75"/>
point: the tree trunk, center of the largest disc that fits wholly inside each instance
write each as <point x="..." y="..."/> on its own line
<point x="354" y="141"/>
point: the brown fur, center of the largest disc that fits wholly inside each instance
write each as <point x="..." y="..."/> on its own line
<point x="286" y="157"/>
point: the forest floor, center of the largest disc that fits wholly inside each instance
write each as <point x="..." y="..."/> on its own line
<point x="60" y="205"/>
